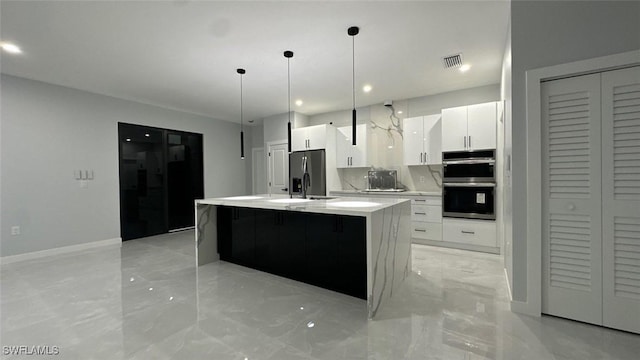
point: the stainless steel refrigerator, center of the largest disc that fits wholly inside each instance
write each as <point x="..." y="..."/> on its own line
<point x="316" y="166"/>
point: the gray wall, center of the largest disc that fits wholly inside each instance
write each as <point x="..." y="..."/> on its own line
<point x="418" y="106"/>
<point x="545" y="33"/>
<point x="49" y="131"/>
<point x="506" y="224"/>
<point x="388" y="151"/>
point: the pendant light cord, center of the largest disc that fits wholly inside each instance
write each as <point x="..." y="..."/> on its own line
<point x="241" y="114"/>
<point x="289" y="86"/>
<point x="353" y="69"/>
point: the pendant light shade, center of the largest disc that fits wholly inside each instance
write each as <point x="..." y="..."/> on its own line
<point x="353" y="31"/>
<point x="241" y="72"/>
<point x="289" y="54"/>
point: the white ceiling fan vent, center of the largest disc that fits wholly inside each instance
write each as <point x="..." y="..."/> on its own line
<point x="453" y="61"/>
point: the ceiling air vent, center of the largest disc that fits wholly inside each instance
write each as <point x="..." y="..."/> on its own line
<point x="453" y="61"/>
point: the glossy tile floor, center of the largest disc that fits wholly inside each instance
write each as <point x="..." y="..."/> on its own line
<point x="147" y="300"/>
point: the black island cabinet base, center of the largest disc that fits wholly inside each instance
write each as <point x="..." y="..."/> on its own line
<point x="319" y="249"/>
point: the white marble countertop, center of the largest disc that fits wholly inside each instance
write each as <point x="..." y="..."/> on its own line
<point x="386" y="194"/>
<point x="355" y="206"/>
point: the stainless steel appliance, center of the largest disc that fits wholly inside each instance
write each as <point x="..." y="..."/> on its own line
<point x="469" y="184"/>
<point x="469" y="166"/>
<point x="314" y="161"/>
<point x="469" y="200"/>
<point x="382" y="180"/>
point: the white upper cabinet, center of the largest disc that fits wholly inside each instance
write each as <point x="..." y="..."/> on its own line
<point x="298" y="139"/>
<point x="422" y="142"/>
<point x="413" y="143"/>
<point x="470" y="127"/>
<point x="481" y="125"/>
<point x="454" y="129"/>
<point x="309" y="138"/>
<point x="348" y="155"/>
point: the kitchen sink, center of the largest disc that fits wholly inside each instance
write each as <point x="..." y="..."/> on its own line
<point x="246" y="197"/>
<point x="353" y="204"/>
<point x="290" y="200"/>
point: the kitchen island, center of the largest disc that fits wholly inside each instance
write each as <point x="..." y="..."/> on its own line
<point x="357" y="246"/>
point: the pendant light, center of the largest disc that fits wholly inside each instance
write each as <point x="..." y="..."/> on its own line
<point x="289" y="54"/>
<point x="353" y="31"/>
<point x="241" y="72"/>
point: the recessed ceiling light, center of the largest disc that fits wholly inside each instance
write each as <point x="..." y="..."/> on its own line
<point x="147" y="135"/>
<point x="10" y="48"/>
<point x="367" y="88"/>
<point x="400" y="112"/>
<point x="129" y="140"/>
<point x="465" y="67"/>
<point x="299" y="102"/>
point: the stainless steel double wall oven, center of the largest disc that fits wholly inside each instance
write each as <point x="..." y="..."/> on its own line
<point x="469" y="184"/>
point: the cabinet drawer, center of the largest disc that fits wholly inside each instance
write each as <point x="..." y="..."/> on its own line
<point x="426" y="213"/>
<point x="472" y="232"/>
<point x="427" y="200"/>
<point x="426" y="230"/>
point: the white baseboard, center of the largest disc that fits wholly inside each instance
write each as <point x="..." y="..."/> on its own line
<point x="506" y="278"/>
<point x="522" y="307"/>
<point x="60" y="250"/>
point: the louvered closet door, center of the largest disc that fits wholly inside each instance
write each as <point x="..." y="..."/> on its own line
<point x="621" y="198"/>
<point x="572" y="251"/>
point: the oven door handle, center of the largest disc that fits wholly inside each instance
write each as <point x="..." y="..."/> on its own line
<point x="462" y="184"/>
<point x="469" y="161"/>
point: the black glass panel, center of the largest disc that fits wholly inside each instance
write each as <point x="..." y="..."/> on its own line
<point x="142" y="182"/>
<point x="469" y="200"/>
<point x="482" y="171"/>
<point x="184" y="177"/>
<point x="161" y="174"/>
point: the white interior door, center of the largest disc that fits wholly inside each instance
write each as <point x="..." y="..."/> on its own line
<point x="621" y="198"/>
<point x="572" y="216"/>
<point x="278" y="156"/>
<point x="259" y="171"/>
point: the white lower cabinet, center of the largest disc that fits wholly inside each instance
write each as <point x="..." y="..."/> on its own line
<point x="426" y="219"/>
<point x="426" y="230"/>
<point x="470" y="232"/>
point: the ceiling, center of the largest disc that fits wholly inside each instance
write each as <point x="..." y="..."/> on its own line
<point x="184" y="54"/>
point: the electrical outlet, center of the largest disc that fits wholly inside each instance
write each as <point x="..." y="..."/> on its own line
<point x="15" y="230"/>
<point x="422" y="179"/>
<point x="84" y="183"/>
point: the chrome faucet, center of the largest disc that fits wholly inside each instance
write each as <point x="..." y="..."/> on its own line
<point x="306" y="179"/>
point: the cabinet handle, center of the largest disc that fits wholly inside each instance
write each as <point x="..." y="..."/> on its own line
<point x="420" y="230"/>
<point x="468" y="232"/>
<point x="465" y="141"/>
<point x="469" y="141"/>
<point x="426" y="158"/>
<point x="420" y="213"/>
<point x="422" y="200"/>
<point x="420" y="158"/>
